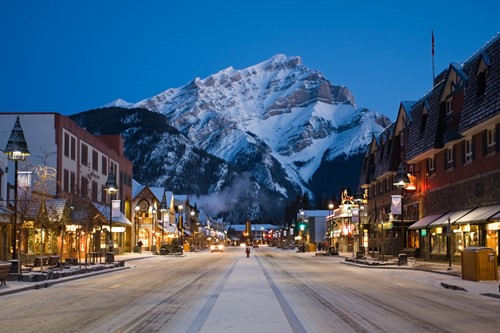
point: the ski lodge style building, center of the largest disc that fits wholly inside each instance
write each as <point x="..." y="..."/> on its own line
<point x="440" y="162"/>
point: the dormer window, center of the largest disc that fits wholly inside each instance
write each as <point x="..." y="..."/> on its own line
<point x="482" y="74"/>
<point x="481" y="83"/>
<point x="449" y="109"/>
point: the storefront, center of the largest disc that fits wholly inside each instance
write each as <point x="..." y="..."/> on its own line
<point x="479" y="226"/>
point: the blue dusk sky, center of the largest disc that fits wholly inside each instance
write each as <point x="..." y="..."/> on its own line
<point x="71" y="56"/>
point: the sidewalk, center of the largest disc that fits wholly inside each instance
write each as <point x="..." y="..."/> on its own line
<point x="77" y="272"/>
<point x="450" y="279"/>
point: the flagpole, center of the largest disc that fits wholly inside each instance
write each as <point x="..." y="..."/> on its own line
<point x="433" y="75"/>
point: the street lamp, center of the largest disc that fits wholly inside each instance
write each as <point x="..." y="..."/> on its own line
<point x="191" y="224"/>
<point x="181" y="226"/>
<point x="359" y="201"/>
<point x="448" y="245"/>
<point x="330" y="223"/>
<point x="111" y="188"/>
<point x="136" y="222"/>
<point x="153" y="247"/>
<point x="16" y="150"/>
<point x="349" y="216"/>
<point x="401" y="181"/>
<point x="163" y="210"/>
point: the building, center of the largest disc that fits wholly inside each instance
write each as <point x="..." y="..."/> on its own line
<point x="63" y="204"/>
<point x="448" y="144"/>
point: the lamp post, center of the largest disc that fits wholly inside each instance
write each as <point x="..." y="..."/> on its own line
<point x="330" y="223"/>
<point x="136" y="223"/>
<point x="401" y="181"/>
<point x="448" y="245"/>
<point x="153" y="233"/>
<point x="16" y="150"/>
<point x="163" y="210"/>
<point x="349" y="216"/>
<point x="111" y="188"/>
<point x="181" y="226"/>
<point x="191" y="224"/>
<point x="302" y="229"/>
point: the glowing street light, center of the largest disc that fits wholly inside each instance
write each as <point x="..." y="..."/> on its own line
<point x="16" y="150"/>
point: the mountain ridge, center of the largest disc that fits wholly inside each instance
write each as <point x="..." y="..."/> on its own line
<point x="278" y="120"/>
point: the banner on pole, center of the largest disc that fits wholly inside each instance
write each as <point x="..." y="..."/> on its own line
<point x="396" y="204"/>
<point x="115" y="204"/>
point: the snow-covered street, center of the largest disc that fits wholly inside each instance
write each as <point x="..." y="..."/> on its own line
<point x="272" y="291"/>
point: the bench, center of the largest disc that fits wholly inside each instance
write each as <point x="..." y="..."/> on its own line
<point x="4" y="272"/>
<point x="53" y="261"/>
<point x="41" y="262"/>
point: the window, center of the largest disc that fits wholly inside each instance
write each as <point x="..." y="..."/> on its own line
<point x="84" y="187"/>
<point x="468" y="150"/>
<point x="389" y="146"/>
<point x="490" y="140"/>
<point x="85" y="154"/>
<point x="72" y="183"/>
<point x="450" y="158"/>
<point x="423" y="122"/>
<point x="431" y="165"/>
<point x="104" y="165"/>
<point x="66" y="144"/>
<point x="481" y="83"/>
<point x="95" y="160"/>
<point x="449" y="109"/>
<point x="73" y="148"/>
<point x="94" y="190"/>
<point x="66" y="180"/>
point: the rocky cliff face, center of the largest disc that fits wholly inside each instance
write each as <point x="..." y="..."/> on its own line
<point x="278" y="121"/>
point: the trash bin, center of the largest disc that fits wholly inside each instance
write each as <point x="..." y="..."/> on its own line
<point x="479" y="264"/>
<point x="187" y="247"/>
<point x="312" y="247"/>
<point x="402" y="259"/>
<point x="110" y="257"/>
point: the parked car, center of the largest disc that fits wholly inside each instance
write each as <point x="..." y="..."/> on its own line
<point x="216" y="247"/>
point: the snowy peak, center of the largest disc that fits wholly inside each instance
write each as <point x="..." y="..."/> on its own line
<point x="118" y="103"/>
<point x="275" y="115"/>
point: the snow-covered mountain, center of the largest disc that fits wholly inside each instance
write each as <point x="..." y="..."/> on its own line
<point x="291" y="113"/>
<point x="118" y="103"/>
<point x="280" y="122"/>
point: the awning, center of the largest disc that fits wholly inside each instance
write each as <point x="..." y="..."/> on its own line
<point x="495" y="217"/>
<point x="480" y="214"/>
<point x="423" y="223"/>
<point x="453" y="216"/>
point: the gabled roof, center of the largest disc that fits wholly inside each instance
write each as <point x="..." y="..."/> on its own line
<point x="456" y="80"/>
<point x="136" y="188"/>
<point x="105" y="212"/>
<point x="478" y="109"/>
<point x="157" y="192"/>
